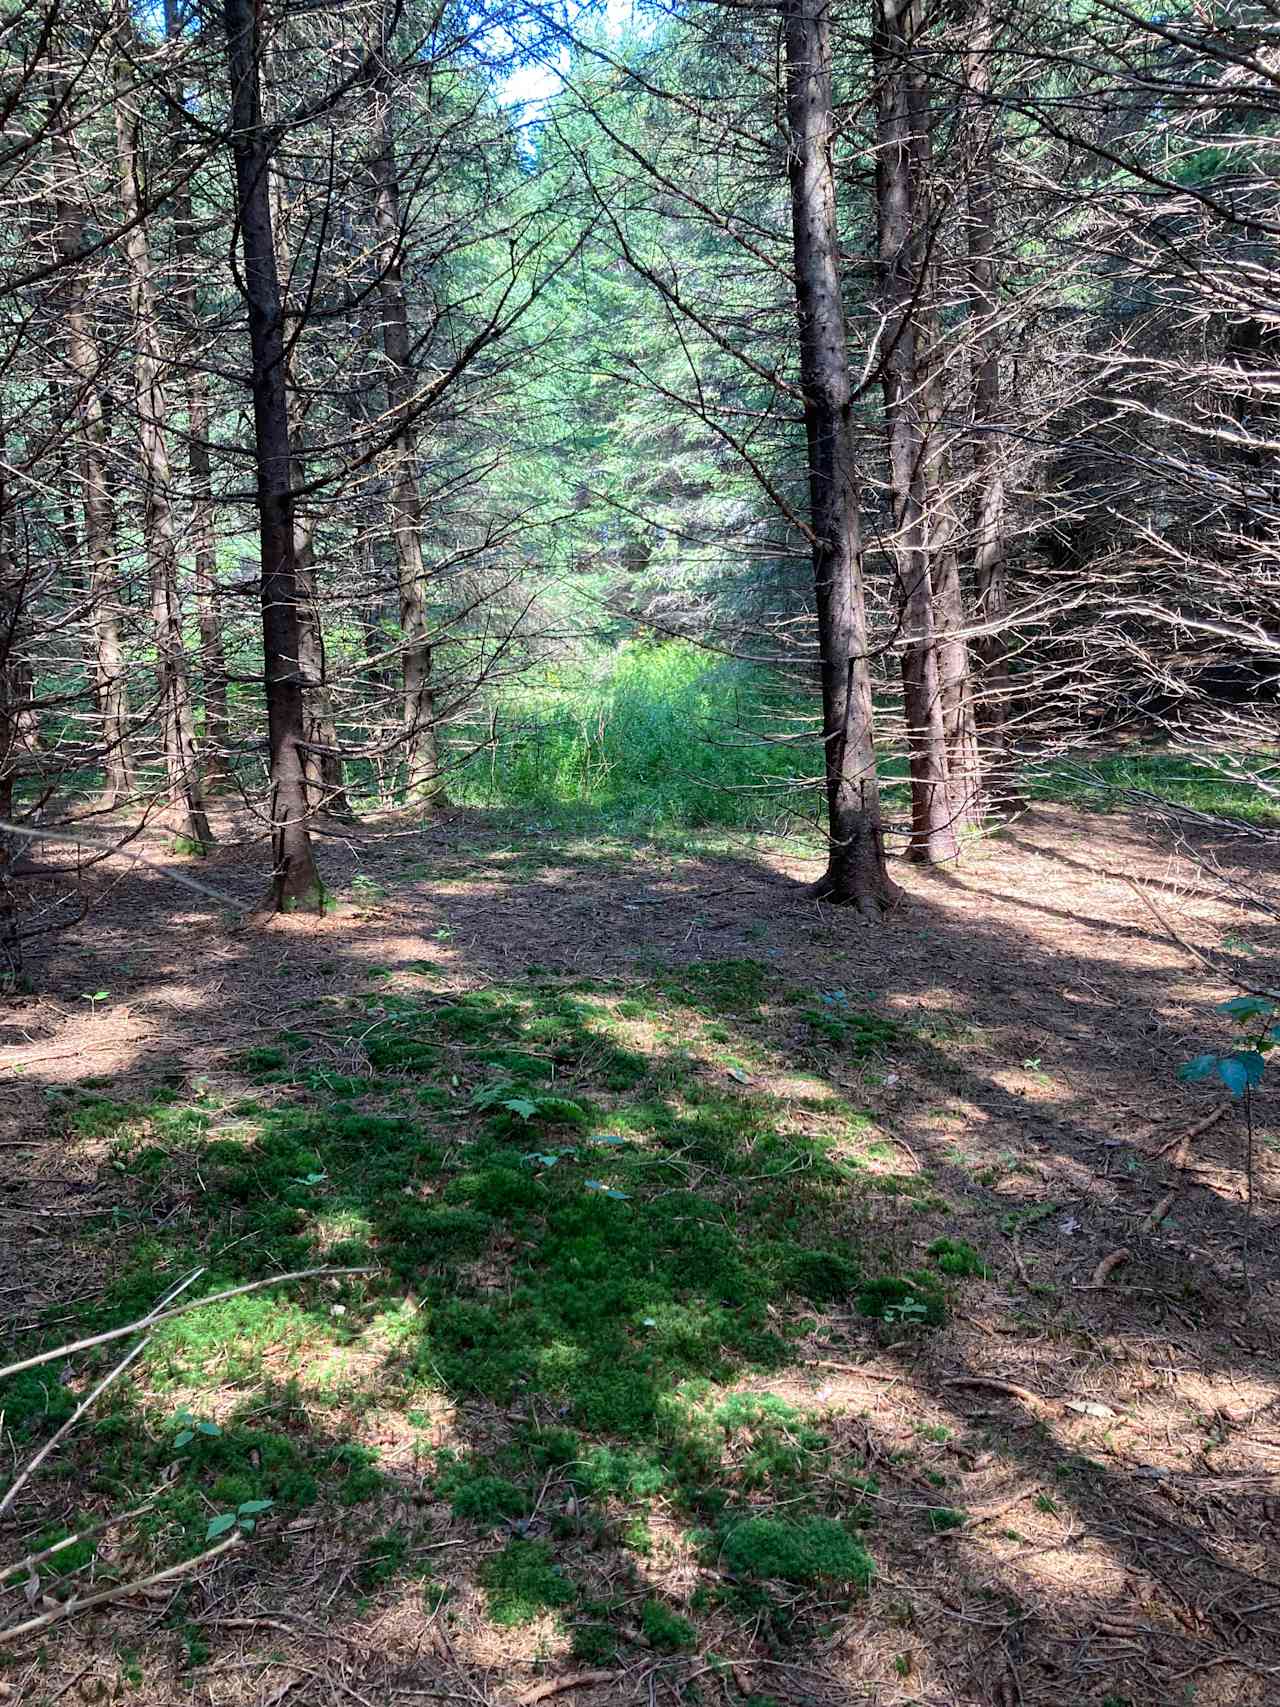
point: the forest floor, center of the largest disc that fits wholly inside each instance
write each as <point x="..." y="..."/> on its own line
<point x="742" y="1327"/>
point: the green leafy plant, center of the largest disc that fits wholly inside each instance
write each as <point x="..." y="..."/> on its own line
<point x="189" y="1427"/>
<point x="244" y="1517"/>
<point x="1241" y="1069"/>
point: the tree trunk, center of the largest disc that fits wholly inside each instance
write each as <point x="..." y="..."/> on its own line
<point x="295" y="879"/>
<point x="424" y="782"/>
<point x="12" y="976"/>
<point x="184" y="802"/>
<point x="856" y="873"/>
<point x="326" y="782"/>
<point x="990" y="590"/>
<point x="321" y="764"/>
<point x="940" y="525"/>
<point x="933" y="837"/>
<point x="110" y="687"/>
<point x="204" y="539"/>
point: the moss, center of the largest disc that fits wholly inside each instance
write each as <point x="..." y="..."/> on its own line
<point x="608" y="1312"/>
<point x="666" y="1630"/>
<point x="959" y="1258"/>
<point x="260" y="1059"/>
<point x="810" y="1550"/>
<point x="911" y="1300"/>
<point x="594" y="1644"/>
<point x="942" y="1518"/>
<point x="823" y="1277"/>
<point x="856" y="1030"/>
<point x="402" y="1055"/>
<point x="718" y="986"/>
<point x="100" y="1117"/>
<point x="388" y="1556"/>
<point x="474" y="1492"/>
<point x="34" y="1401"/>
<point x="523" y="1581"/>
<point x="360" y="1479"/>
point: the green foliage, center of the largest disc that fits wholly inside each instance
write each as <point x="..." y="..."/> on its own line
<point x="522" y="1582"/>
<point x="903" y="1300"/>
<point x="807" y="1550"/>
<point x="477" y="1494"/>
<point x="1240" y="1069"/>
<point x="666" y="1630"/>
<point x="593" y="1644"/>
<point x="1179" y="779"/>
<point x="857" y="1030"/>
<point x="652" y="735"/>
<point x="959" y="1258"/>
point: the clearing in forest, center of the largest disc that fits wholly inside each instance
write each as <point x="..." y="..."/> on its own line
<point x="763" y="1308"/>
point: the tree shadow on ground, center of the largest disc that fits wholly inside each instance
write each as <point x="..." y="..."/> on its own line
<point x="628" y="1146"/>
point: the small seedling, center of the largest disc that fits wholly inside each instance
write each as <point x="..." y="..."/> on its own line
<point x="190" y="1428"/>
<point x="94" y="997"/>
<point x="909" y="1310"/>
<point x="244" y="1517"/>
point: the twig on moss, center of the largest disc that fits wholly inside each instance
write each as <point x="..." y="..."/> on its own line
<point x="168" y="1315"/>
<point x="33" y="1559"/>
<point x="91" y="1398"/>
<point x="32" y="1626"/>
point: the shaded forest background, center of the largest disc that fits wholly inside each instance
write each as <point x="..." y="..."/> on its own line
<point x="542" y="409"/>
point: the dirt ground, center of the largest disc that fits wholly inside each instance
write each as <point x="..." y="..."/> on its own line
<point x="1105" y="1407"/>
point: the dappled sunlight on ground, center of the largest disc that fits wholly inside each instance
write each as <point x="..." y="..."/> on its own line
<point x="719" y="1239"/>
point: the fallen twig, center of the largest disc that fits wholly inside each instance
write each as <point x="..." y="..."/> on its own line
<point x="1183" y="1143"/>
<point x="24" y="1476"/>
<point x="31" y="1626"/>
<point x="168" y="1315"/>
<point x="992" y="1383"/>
<point x="33" y="1559"/>
<point x="557" y="1685"/>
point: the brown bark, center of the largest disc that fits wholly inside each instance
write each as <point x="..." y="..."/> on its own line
<point x="321" y="763"/>
<point x="939" y="520"/>
<point x="856" y="873"/>
<point x="295" y="879"/>
<point x="110" y="686"/>
<point x="215" y="746"/>
<point x="326" y="780"/>
<point x="424" y="783"/>
<point x="933" y="837"/>
<point x="12" y="977"/>
<point x="989" y="577"/>
<point x="184" y="800"/>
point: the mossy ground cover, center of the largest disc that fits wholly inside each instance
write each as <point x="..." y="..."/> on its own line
<point x="586" y="1234"/>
